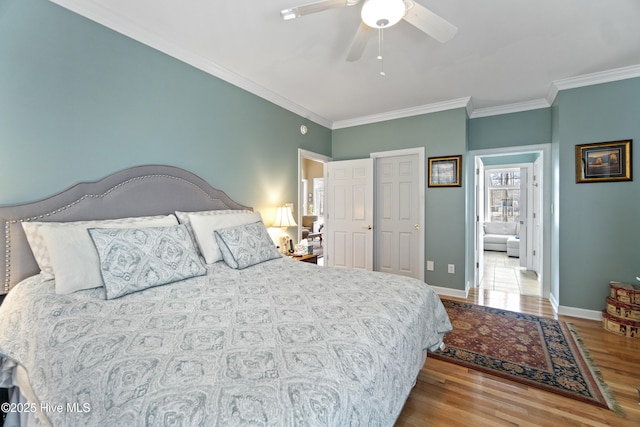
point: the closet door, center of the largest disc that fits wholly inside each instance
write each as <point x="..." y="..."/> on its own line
<point x="399" y="234"/>
<point x="349" y="214"/>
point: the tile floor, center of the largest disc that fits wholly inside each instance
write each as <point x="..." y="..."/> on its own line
<point x="503" y="273"/>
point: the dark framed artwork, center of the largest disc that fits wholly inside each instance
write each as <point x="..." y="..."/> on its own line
<point x="445" y="171"/>
<point x="603" y="161"/>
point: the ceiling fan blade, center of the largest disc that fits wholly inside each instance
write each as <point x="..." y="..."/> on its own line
<point x="320" y="6"/>
<point x="430" y="23"/>
<point x="359" y="42"/>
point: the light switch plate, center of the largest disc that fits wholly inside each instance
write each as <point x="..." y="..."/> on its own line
<point x="430" y="265"/>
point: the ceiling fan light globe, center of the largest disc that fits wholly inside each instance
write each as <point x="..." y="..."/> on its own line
<point x="382" y="13"/>
<point x="288" y="14"/>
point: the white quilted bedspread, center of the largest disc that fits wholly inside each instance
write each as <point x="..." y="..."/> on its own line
<point x="282" y="343"/>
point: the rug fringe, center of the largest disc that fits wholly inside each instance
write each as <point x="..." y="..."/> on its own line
<point x="612" y="402"/>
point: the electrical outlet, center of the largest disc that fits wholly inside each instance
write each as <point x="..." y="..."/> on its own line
<point x="451" y="269"/>
<point x="430" y="265"/>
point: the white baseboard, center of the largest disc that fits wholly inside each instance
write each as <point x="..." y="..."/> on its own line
<point x="449" y="292"/>
<point x="573" y="311"/>
<point x="580" y="312"/>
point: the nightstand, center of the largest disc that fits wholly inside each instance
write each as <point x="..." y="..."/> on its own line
<point x="311" y="258"/>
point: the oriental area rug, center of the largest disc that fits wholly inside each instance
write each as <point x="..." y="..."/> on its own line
<point x="539" y="352"/>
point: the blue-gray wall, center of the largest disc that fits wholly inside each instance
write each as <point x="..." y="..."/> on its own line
<point x="79" y="101"/>
<point x="441" y="134"/>
<point x="508" y="130"/>
<point x="599" y="235"/>
<point x="509" y="159"/>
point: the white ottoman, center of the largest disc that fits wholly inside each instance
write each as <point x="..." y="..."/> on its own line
<point x="513" y="247"/>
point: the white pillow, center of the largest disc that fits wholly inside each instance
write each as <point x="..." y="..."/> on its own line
<point x="73" y="256"/>
<point x="204" y="225"/>
<point x="183" y="217"/>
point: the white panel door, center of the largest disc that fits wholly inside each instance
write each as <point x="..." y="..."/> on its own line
<point x="480" y="218"/>
<point x="537" y="216"/>
<point x="525" y="243"/>
<point x="398" y="220"/>
<point x="349" y="214"/>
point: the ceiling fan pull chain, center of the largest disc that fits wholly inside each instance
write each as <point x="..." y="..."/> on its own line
<point x="380" y="46"/>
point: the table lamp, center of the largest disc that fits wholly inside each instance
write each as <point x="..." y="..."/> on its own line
<point x="284" y="219"/>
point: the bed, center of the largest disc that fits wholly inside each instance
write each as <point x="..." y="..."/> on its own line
<point x="237" y="341"/>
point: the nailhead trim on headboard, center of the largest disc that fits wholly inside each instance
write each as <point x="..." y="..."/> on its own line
<point x="7" y="256"/>
<point x="220" y="201"/>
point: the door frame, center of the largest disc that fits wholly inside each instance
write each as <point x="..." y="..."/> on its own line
<point x="419" y="151"/>
<point x="546" y="209"/>
<point x="316" y="157"/>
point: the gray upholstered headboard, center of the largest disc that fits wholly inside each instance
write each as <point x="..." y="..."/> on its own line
<point x="137" y="191"/>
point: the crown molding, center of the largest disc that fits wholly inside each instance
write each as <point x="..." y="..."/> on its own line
<point x="510" y="108"/>
<point x="121" y="25"/>
<point x="406" y="112"/>
<point x="608" y="76"/>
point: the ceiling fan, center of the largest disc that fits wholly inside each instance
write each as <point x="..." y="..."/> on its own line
<point x="381" y="14"/>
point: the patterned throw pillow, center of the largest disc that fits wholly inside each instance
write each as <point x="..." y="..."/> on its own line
<point x="134" y="259"/>
<point x="246" y="245"/>
<point x="204" y="226"/>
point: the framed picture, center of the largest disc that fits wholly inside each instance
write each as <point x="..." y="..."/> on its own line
<point x="445" y="171"/>
<point x="603" y="162"/>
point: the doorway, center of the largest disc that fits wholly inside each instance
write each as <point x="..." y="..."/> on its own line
<point x="507" y="198"/>
<point x="509" y="189"/>
<point x="311" y="199"/>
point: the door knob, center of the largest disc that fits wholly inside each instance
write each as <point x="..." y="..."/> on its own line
<point x="416" y="226"/>
<point x="369" y="227"/>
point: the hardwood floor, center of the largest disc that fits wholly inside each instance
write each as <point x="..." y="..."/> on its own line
<point x="450" y="395"/>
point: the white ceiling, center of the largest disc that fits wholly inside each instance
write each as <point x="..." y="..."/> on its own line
<point x="508" y="55"/>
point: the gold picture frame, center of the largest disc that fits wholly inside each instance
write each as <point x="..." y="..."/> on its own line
<point x="603" y="162"/>
<point x="445" y="171"/>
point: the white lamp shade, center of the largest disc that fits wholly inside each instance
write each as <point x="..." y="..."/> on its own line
<point x="284" y="218"/>
<point x="382" y="13"/>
